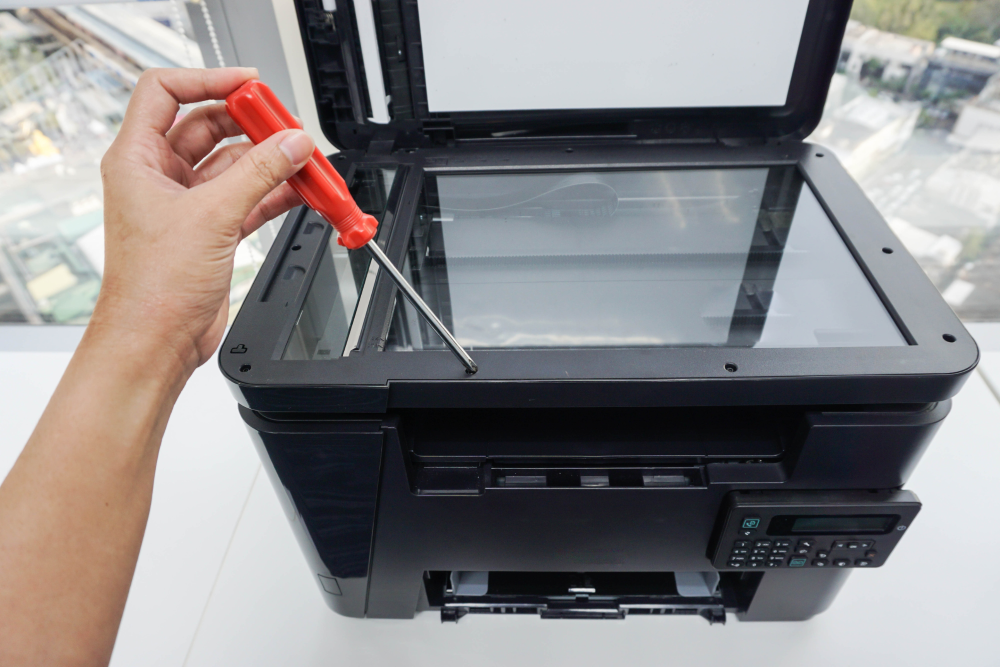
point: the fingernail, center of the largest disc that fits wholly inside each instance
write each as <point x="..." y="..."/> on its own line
<point x="297" y="147"/>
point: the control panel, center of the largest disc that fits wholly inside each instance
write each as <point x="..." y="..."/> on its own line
<point x="840" y="529"/>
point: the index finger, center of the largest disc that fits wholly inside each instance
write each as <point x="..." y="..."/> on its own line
<point x="160" y="92"/>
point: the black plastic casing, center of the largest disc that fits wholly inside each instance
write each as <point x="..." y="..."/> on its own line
<point x="390" y="463"/>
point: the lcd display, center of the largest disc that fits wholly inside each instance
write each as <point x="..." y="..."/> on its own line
<point x="694" y="257"/>
<point x="842" y="525"/>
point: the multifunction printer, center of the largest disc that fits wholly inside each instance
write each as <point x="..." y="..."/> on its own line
<point x="706" y="366"/>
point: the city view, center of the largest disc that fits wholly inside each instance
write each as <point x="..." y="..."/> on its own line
<point x="913" y="113"/>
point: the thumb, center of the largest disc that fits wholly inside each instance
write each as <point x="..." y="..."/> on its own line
<point x="261" y="169"/>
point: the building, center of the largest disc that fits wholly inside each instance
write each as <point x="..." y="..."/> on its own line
<point x="978" y="124"/>
<point x="870" y="53"/>
<point x="960" y="67"/>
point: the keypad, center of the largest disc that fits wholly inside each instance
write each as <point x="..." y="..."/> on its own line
<point x="801" y="552"/>
<point x="756" y="554"/>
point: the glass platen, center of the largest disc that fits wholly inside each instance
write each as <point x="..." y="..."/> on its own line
<point x="324" y="324"/>
<point x="742" y="257"/>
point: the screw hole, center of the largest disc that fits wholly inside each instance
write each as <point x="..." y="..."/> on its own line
<point x="731" y="367"/>
<point x="244" y="368"/>
<point x="296" y="247"/>
<point x="819" y="155"/>
<point x="949" y="338"/>
<point x="569" y="150"/>
<point x="887" y="251"/>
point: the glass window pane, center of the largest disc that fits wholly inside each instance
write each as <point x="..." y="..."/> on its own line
<point x="913" y="113"/>
<point x="721" y="257"/>
<point x="66" y="75"/>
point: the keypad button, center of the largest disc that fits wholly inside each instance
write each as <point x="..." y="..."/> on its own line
<point x="780" y="559"/>
<point x="822" y="553"/>
<point x="862" y="562"/>
<point x="735" y="564"/>
<point x="739" y="558"/>
<point x="867" y="544"/>
<point x="780" y="552"/>
<point x="756" y="559"/>
<point x="807" y="543"/>
<point x="741" y="544"/>
<point x="871" y="553"/>
<point x="840" y="544"/>
<point x="819" y="562"/>
<point x="801" y="551"/>
<point x="842" y="562"/>
<point x="761" y="552"/>
<point x="775" y="563"/>
<point x="750" y="523"/>
<point x="853" y="545"/>
<point x="740" y="552"/>
<point x="782" y="543"/>
<point x="762" y="543"/>
<point x="755" y="563"/>
<point x="796" y="562"/>
<point x="746" y="532"/>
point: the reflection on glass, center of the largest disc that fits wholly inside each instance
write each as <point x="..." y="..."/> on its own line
<point x="719" y="257"/>
<point x="324" y="325"/>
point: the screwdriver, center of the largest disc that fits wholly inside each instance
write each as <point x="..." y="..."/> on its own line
<point x="259" y="113"/>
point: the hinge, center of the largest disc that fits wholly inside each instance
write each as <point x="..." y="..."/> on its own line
<point x="440" y="132"/>
<point x="382" y="142"/>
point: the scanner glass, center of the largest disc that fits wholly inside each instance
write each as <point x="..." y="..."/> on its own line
<point x="741" y="257"/>
<point x="325" y="322"/>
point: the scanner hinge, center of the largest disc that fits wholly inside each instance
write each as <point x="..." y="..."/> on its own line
<point x="440" y="132"/>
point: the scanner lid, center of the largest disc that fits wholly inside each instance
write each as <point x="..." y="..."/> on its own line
<point x="418" y="73"/>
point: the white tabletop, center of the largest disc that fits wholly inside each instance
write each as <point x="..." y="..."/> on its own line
<point x="221" y="580"/>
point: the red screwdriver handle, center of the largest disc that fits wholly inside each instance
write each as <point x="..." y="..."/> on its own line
<point x="259" y="113"/>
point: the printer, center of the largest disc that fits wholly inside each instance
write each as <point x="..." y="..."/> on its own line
<point x="706" y="366"/>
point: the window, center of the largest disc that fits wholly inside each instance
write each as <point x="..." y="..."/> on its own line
<point x="914" y="114"/>
<point x="66" y="74"/>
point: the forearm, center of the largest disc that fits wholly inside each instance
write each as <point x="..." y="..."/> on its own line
<point x="73" y="509"/>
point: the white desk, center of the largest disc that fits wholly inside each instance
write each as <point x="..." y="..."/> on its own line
<point x="221" y="581"/>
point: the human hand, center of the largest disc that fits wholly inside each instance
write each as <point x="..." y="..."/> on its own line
<point x="174" y="214"/>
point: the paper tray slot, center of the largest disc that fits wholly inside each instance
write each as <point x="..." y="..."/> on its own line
<point x="668" y="435"/>
<point x="578" y="595"/>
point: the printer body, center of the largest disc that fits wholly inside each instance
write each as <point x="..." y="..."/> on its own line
<point x="707" y="367"/>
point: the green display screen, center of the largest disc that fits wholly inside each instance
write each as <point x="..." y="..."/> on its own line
<point x="871" y="524"/>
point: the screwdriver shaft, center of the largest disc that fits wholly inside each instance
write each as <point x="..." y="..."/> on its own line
<point x="418" y="303"/>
